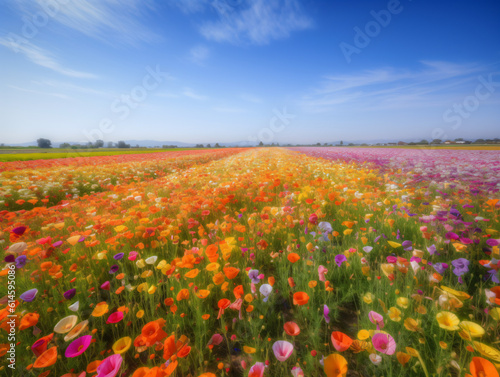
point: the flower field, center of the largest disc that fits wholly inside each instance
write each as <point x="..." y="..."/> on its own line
<point x="252" y="262"/>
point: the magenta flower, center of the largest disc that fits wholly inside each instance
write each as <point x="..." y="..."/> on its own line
<point x="282" y="349"/>
<point x="19" y="230"/>
<point x="110" y="366"/>
<point x="326" y="312"/>
<point x="384" y="343"/>
<point x="68" y="295"/>
<point x="132" y="255"/>
<point x="339" y="259"/>
<point x="78" y="346"/>
<point x="106" y="285"/>
<point x="115" y="317"/>
<point x="376" y="319"/>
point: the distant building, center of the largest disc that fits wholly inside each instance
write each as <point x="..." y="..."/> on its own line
<point x="460" y="142"/>
<point x="402" y="143"/>
<point x="449" y="142"/>
<point x="393" y="144"/>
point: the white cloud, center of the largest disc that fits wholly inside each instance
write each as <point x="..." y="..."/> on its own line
<point x="42" y="57"/>
<point x="199" y="54"/>
<point x="229" y="110"/>
<point x="432" y="85"/>
<point x="190" y="93"/>
<point x="107" y="20"/>
<point x="58" y="95"/>
<point x="250" y="98"/>
<point x="256" y="22"/>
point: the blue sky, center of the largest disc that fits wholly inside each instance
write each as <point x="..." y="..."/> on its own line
<point x="285" y="71"/>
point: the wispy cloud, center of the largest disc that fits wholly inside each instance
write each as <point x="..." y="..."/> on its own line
<point x="190" y="93"/>
<point x="248" y="21"/>
<point x="65" y="86"/>
<point x="199" y="54"/>
<point x="58" y="95"/>
<point x="42" y="58"/>
<point x="108" y="20"/>
<point x="250" y="98"/>
<point x="229" y="110"/>
<point x="389" y="88"/>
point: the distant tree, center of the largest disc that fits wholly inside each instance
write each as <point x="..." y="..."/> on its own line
<point x="44" y="143"/>
<point x="480" y="141"/>
<point x="351" y="144"/>
<point x="436" y="141"/>
<point x="122" y="144"/>
<point x="209" y="146"/>
<point x="199" y="146"/>
<point x="341" y="142"/>
<point x="110" y="144"/>
<point x="423" y="141"/>
<point x="412" y="143"/>
<point x="99" y="144"/>
<point x="216" y="145"/>
<point x="65" y="145"/>
<point x="261" y="144"/>
<point x="364" y="145"/>
<point x="318" y="144"/>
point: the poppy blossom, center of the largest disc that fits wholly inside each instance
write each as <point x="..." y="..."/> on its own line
<point x="384" y="343"/>
<point x="46" y="359"/>
<point x="480" y="367"/>
<point x="335" y="365"/>
<point x="300" y="298"/>
<point x="341" y="341"/>
<point x="257" y="370"/>
<point x="110" y="366"/>
<point x="29" y="295"/>
<point x="282" y="350"/>
<point x="65" y="324"/>
<point x="40" y="346"/>
<point x="291" y="328"/>
<point x="78" y="346"/>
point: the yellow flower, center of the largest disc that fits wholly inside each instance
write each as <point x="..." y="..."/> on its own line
<point x="402" y="302"/>
<point x="395" y="314"/>
<point x="363" y="334"/>
<point x="487" y="351"/>
<point x="368" y="298"/>
<point x="470" y="330"/>
<point x="495" y="314"/>
<point x="122" y="345"/>
<point x="249" y="349"/>
<point x="448" y="321"/>
<point x="412" y="324"/>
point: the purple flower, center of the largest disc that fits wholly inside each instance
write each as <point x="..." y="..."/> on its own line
<point x="57" y="244"/>
<point x="118" y="256"/>
<point x="339" y="259"/>
<point x="326" y="311"/>
<point x="29" y="296"/>
<point x="440" y="267"/>
<point x="407" y="245"/>
<point x="114" y="268"/>
<point x="432" y="249"/>
<point x="21" y="261"/>
<point x="451" y="236"/>
<point x="68" y="295"/>
<point x="461" y="266"/>
<point x="492" y="242"/>
<point x="494" y="276"/>
<point x="254" y="276"/>
<point x="19" y="230"/>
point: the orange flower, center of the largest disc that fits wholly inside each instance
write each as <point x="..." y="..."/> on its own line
<point x="29" y="320"/>
<point x="335" y="365"/>
<point x="341" y="341"/>
<point x="480" y="367"/>
<point x="151" y="333"/>
<point x="293" y="257"/>
<point x="172" y="348"/>
<point x="291" y="328"/>
<point x="46" y="359"/>
<point x="231" y="272"/>
<point x="300" y="298"/>
<point x="183" y="295"/>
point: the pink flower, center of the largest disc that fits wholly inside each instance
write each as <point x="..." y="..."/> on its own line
<point x="115" y="317"/>
<point x="322" y="271"/>
<point x="376" y="319"/>
<point x="282" y="349"/>
<point x="110" y="366"/>
<point x="132" y="255"/>
<point x="78" y="346"/>
<point x="297" y="372"/>
<point x="384" y="343"/>
<point x="216" y="340"/>
<point x="257" y="370"/>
